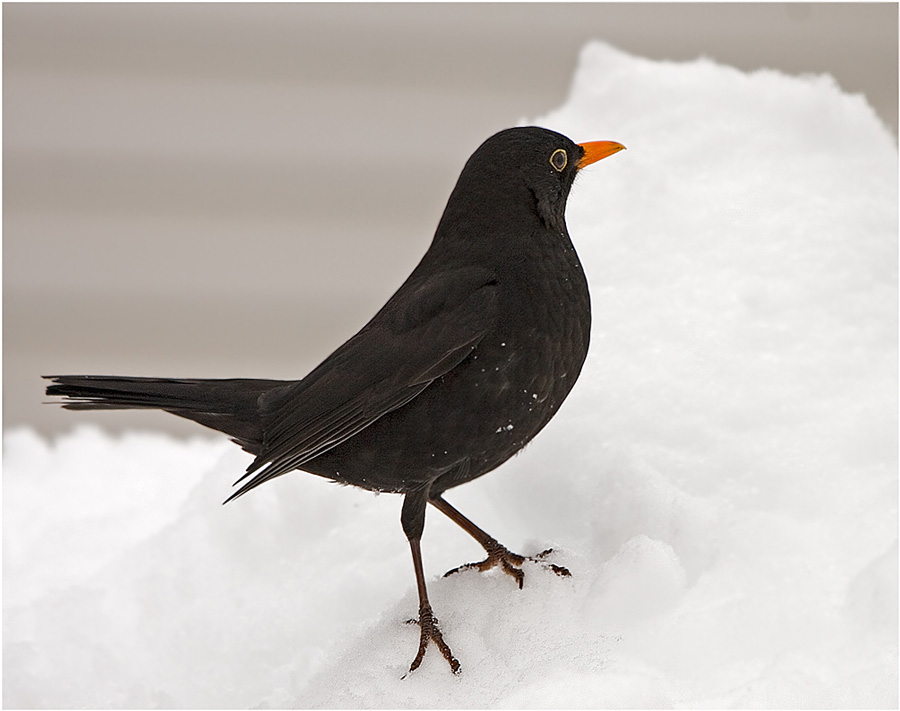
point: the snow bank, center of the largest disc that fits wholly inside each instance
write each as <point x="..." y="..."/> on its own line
<point x="722" y="483"/>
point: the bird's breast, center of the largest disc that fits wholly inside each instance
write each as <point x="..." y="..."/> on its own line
<point x="521" y="372"/>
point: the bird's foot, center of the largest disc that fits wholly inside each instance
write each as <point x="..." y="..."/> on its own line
<point x="510" y="563"/>
<point x="430" y="631"/>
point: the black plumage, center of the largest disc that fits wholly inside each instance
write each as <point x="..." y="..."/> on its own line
<point x="459" y="370"/>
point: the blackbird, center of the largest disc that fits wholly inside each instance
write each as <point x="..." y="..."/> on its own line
<point x="457" y="372"/>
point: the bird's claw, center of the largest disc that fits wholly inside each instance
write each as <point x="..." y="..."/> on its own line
<point x="560" y="570"/>
<point x="428" y="625"/>
<point x="510" y="563"/>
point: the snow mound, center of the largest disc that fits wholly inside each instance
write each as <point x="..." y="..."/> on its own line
<point x="722" y="483"/>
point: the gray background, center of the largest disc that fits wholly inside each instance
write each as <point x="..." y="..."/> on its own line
<point x="233" y="190"/>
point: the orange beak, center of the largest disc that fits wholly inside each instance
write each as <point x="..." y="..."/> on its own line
<point x="598" y="150"/>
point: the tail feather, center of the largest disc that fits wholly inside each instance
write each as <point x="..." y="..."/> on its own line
<point x="230" y="405"/>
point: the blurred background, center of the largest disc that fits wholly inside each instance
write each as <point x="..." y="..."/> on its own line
<point x="231" y="190"/>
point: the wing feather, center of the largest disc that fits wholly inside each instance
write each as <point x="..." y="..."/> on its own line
<point x="427" y="328"/>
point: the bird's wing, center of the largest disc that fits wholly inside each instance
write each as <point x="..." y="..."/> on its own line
<point x="427" y="328"/>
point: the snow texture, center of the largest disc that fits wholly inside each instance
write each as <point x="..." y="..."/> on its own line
<point x="722" y="482"/>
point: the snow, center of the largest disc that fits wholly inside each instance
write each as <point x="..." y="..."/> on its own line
<point x="722" y="483"/>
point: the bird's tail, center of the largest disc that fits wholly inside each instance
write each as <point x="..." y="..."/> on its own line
<point x="232" y="406"/>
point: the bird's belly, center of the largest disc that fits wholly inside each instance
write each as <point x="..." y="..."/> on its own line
<point x="468" y="421"/>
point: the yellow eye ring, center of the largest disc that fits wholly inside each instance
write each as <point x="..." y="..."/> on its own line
<point x="559" y="159"/>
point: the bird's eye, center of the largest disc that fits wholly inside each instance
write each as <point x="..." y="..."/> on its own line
<point x="559" y="159"/>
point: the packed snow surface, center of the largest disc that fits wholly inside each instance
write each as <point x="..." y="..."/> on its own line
<point x="722" y="483"/>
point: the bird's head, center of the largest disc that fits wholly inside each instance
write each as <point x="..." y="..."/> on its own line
<point x="528" y="168"/>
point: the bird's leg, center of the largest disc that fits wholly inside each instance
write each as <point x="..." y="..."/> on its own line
<point x="498" y="554"/>
<point x="412" y="518"/>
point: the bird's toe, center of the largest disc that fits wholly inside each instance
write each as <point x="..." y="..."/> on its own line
<point x="430" y="632"/>
<point x="511" y="563"/>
